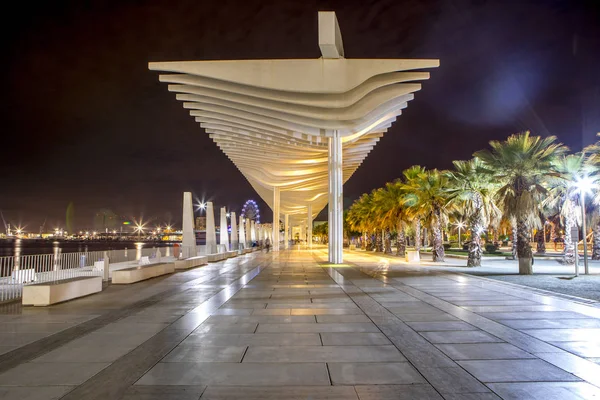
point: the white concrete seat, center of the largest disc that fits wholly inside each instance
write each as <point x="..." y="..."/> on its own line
<point x="44" y="294"/>
<point x="141" y="273"/>
<point x="191" y="262"/>
<point x="231" y="254"/>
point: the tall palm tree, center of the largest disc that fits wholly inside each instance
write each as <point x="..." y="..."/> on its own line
<point x="520" y="163"/>
<point x="428" y="196"/>
<point x="563" y="195"/>
<point x="410" y="175"/>
<point x="360" y="217"/>
<point x="474" y="189"/>
<point x="392" y="200"/>
<point x="593" y="163"/>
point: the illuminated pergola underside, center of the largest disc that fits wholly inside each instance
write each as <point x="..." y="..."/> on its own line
<point x="276" y="119"/>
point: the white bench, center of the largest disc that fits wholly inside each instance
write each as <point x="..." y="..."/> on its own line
<point x="24" y="276"/>
<point x="141" y="273"/>
<point x="144" y="260"/>
<point x="412" y="256"/>
<point x="247" y="250"/>
<point x="191" y="262"/>
<point x="231" y="254"/>
<point x="216" y="257"/>
<point x="44" y="294"/>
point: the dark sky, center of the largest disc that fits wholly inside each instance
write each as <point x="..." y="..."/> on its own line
<point x="85" y="121"/>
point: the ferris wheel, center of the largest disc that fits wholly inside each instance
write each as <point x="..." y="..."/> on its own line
<point x="250" y="210"/>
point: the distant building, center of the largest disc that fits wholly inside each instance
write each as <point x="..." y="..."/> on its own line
<point x="200" y="223"/>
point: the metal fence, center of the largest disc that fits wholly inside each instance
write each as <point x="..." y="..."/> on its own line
<point x="16" y="271"/>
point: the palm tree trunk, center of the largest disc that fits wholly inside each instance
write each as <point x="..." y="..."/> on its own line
<point x="596" y="242"/>
<point x="417" y="234"/>
<point x="378" y="241"/>
<point x="400" y="239"/>
<point x="476" y="222"/>
<point x="569" y="251"/>
<point x="541" y="240"/>
<point x="513" y="240"/>
<point x="524" y="249"/>
<point x="438" y="242"/>
<point x="388" y="241"/>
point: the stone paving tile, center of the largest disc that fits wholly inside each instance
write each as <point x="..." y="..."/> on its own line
<point x="354" y="339"/>
<point x="534" y="315"/>
<point x="163" y="393"/>
<point x="330" y="327"/>
<point x="583" y="349"/>
<point x="34" y="393"/>
<point x="263" y="319"/>
<point x="280" y="392"/>
<point x="483" y="351"/>
<point x="232" y="374"/>
<point x="326" y="311"/>
<point x="551" y="324"/>
<point x="258" y="339"/>
<point x="494" y="309"/>
<point x="452" y="380"/>
<point x="312" y="305"/>
<point x="441" y="326"/>
<point x="323" y="354"/>
<point x="516" y="371"/>
<point x="459" y="337"/>
<point x="397" y="392"/>
<point x="185" y="353"/>
<point x="374" y="373"/>
<point x="426" y="317"/>
<point x="72" y="352"/>
<point x="546" y="391"/>
<point x="324" y="319"/>
<point x="565" y="335"/>
<point x="248" y="327"/>
<point x="50" y="374"/>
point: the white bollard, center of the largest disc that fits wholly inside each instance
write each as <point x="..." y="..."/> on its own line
<point x="106" y="266"/>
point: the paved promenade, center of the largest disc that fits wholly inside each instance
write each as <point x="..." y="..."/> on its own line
<point x="289" y="326"/>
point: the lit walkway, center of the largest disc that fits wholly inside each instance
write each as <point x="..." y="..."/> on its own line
<point x="281" y="326"/>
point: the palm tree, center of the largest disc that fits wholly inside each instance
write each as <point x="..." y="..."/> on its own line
<point x="474" y="190"/>
<point x="392" y="202"/>
<point x="593" y="164"/>
<point x="411" y="174"/>
<point x="520" y="164"/>
<point x="563" y="195"/>
<point x="428" y="197"/>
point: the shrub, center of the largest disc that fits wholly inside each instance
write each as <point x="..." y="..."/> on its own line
<point x="447" y="246"/>
<point x="491" y="248"/>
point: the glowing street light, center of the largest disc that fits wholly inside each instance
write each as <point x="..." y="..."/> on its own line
<point x="459" y="225"/>
<point x="201" y="206"/>
<point x="584" y="184"/>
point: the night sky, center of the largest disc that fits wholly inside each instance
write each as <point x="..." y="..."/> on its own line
<point x="85" y="121"/>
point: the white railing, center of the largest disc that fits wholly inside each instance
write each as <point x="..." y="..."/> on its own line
<point x="39" y="268"/>
<point x="16" y="271"/>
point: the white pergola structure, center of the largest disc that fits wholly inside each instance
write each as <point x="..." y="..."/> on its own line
<point x="298" y="129"/>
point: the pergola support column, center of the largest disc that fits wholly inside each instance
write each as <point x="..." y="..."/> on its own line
<point x="309" y="225"/>
<point x="336" y="230"/>
<point x="276" y="200"/>
<point x="286" y="234"/>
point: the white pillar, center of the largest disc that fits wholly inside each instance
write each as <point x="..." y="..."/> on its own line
<point x="234" y="234"/>
<point x="309" y="225"/>
<point x="224" y="235"/>
<point x="286" y="233"/>
<point x="242" y="238"/>
<point x="336" y="233"/>
<point x="248" y="233"/>
<point x="188" y="245"/>
<point x="276" y="199"/>
<point x="253" y="231"/>
<point x="211" y="234"/>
